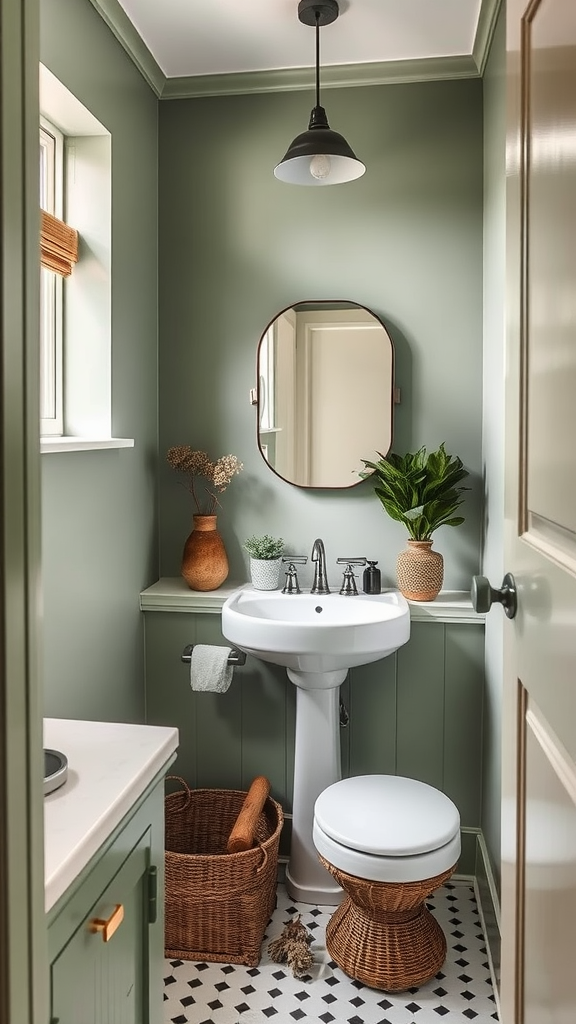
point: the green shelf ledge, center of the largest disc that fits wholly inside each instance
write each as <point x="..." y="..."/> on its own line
<point x="172" y="594"/>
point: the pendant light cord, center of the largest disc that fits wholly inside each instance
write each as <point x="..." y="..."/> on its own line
<point x="317" y="15"/>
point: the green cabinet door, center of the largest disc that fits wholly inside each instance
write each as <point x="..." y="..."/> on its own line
<point x="101" y="974"/>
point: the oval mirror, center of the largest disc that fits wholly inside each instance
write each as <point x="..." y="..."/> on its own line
<point x="325" y="392"/>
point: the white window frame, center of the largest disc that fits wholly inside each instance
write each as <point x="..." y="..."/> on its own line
<point x="87" y="324"/>
<point x="51" y="287"/>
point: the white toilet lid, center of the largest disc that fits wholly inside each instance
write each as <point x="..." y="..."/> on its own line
<point x="387" y="814"/>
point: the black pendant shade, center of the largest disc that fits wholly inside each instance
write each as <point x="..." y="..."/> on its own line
<point x="318" y="156"/>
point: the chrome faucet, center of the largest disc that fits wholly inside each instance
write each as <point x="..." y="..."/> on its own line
<point x="320" y="585"/>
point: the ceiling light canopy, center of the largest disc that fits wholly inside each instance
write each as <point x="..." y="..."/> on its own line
<point x="319" y="156"/>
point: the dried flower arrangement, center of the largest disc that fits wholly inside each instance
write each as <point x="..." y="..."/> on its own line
<point x="215" y="475"/>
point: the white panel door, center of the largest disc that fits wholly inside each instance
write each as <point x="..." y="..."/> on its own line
<point x="539" y="788"/>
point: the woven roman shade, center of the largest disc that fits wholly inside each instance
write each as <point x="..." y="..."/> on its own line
<point x="58" y="245"/>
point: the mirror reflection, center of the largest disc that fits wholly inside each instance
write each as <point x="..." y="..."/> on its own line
<point x="325" y="392"/>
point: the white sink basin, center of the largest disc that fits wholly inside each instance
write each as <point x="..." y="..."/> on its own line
<point x="316" y="632"/>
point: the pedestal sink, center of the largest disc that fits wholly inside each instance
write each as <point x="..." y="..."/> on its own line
<point x="317" y="637"/>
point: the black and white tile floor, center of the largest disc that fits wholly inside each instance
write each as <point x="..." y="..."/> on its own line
<point x="200" y="993"/>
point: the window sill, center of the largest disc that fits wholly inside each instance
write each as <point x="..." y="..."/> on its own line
<point x="83" y="444"/>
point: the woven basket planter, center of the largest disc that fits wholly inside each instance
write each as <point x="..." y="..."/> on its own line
<point x="420" y="571"/>
<point x="217" y="904"/>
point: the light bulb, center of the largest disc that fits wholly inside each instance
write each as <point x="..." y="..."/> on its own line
<point x="320" y="166"/>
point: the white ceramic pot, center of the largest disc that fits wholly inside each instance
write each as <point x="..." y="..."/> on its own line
<point x="265" y="573"/>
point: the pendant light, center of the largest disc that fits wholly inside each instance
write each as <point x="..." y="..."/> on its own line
<point x="318" y="156"/>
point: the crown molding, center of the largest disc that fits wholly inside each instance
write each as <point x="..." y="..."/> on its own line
<point x="122" y="28"/>
<point x="428" y="69"/>
<point x="333" y="76"/>
<point x="489" y="11"/>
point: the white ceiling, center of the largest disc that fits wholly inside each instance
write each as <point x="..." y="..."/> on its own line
<point x="207" y="37"/>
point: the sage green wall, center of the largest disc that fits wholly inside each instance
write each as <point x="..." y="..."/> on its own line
<point x="493" y="420"/>
<point x="236" y="246"/>
<point x="99" y="508"/>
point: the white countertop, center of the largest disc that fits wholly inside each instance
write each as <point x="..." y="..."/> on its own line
<point x="109" y="767"/>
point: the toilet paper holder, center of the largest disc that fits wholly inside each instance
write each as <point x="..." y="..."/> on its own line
<point x="236" y="657"/>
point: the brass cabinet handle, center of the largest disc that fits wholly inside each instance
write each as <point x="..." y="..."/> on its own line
<point x="109" y="926"/>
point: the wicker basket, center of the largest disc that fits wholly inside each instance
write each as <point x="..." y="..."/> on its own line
<point x="217" y="904"/>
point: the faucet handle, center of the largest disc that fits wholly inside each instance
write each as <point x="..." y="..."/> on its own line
<point x="291" y="585"/>
<point x="349" y="588"/>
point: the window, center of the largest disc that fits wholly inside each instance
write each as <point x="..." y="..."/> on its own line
<point x="51" y="285"/>
<point x="77" y="368"/>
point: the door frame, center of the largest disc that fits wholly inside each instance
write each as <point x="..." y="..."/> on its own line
<point x="23" y="972"/>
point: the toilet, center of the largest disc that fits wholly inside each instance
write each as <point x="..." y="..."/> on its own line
<point x="389" y="842"/>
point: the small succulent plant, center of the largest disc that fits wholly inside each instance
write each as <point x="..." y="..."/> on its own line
<point x="264" y="547"/>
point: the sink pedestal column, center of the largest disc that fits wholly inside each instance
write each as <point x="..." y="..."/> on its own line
<point x="316" y="766"/>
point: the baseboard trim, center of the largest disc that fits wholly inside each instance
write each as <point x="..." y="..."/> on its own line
<point x="489" y="910"/>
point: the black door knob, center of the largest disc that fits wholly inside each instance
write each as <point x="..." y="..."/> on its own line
<point x="484" y="596"/>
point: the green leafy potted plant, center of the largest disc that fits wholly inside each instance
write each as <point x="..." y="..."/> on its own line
<point x="265" y="560"/>
<point x="422" y="491"/>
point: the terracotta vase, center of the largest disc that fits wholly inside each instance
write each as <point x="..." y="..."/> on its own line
<point x="420" y="571"/>
<point x="204" y="560"/>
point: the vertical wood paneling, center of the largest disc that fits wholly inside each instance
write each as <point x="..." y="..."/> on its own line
<point x="415" y="713"/>
<point x="372" y="727"/>
<point x="169" y="699"/>
<point x="463" y="719"/>
<point x="262" y="687"/>
<point x="218" y="742"/>
<point x="420" y="717"/>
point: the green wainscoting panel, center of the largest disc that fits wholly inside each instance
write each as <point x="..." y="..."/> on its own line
<point x="167" y="690"/>
<point x="218" y="740"/>
<point x="464" y="668"/>
<point x="264" y="691"/>
<point x="467" y="859"/>
<point x="371" y="732"/>
<point x="225" y="739"/>
<point x="420" y="721"/>
<point x="416" y="713"/>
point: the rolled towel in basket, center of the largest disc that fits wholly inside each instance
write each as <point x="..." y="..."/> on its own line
<point x="209" y="668"/>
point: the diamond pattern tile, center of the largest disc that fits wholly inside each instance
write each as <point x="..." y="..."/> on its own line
<point x="231" y="994"/>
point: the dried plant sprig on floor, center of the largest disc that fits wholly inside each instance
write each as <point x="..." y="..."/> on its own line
<point x="292" y="947"/>
<point x="194" y="464"/>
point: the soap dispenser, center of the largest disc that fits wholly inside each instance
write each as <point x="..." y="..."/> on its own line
<point x="371" y="579"/>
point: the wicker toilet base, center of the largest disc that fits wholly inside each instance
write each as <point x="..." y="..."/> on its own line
<point x="383" y="935"/>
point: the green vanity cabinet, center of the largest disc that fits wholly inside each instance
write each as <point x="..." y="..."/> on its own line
<point x="106" y="933"/>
